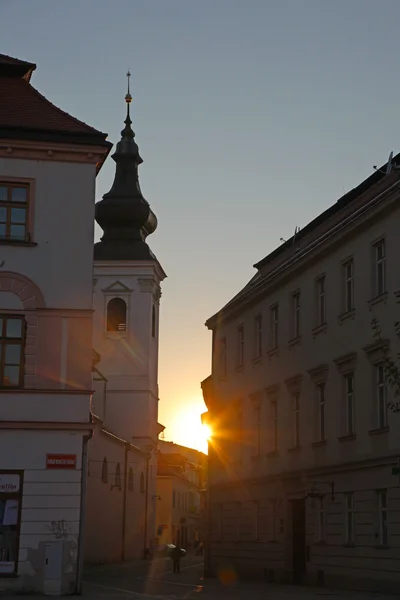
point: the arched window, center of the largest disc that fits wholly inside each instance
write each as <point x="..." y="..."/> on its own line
<point x="104" y="471"/>
<point x="116" y="315"/>
<point x="117" y="482"/>
<point x="153" y="321"/>
<point x="130" y="480"/>
<point x="142" y="482"/>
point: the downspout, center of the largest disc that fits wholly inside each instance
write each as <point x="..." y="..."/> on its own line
<point x="124" y="504"/>
<point x="82" y="520"/>
<point x="146" y="506"/>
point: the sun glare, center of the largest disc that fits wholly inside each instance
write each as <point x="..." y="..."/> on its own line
<point x="188" y="429"/>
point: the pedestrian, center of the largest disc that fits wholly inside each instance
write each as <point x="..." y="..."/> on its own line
<point x="176" y="559"/>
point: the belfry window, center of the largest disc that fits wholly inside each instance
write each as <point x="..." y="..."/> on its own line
<point x="116" y="315"/>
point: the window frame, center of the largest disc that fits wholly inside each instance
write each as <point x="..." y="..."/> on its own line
<point x="20" y="341"/>
<point x="240" y="347"/>
<point x="383" y="524"/>
<point x="321" y="408"/>
<point x="18" y="495"/>
<point x="273" y="520"/>
<point x="320" y="283"/>
<point x="296" y="314"/>
<point x="296" y="419"/>
<point x="29" y="184"/>
<point x="116" y="331"/>
<point x="273" y="404"/>
<point x="379" y="264"/>
<point x="258" y="336"/>
<point x="348" y="285"/>
<point x="274" y="326"/>
<point x="381" y="395"/>
<point x="349" y="394"/>
<point x="350" y="517"/>
<point x="321" y="520"/>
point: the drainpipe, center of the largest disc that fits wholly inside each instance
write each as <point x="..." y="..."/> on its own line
<point x="146" y="505"/>
<point x="124" y="503"/>
<point x="82" y="520"/>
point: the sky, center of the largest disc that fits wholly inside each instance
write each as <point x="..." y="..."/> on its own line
<point x="252" y="117"/>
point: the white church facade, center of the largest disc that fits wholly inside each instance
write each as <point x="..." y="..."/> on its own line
<point x="122" y="481"/>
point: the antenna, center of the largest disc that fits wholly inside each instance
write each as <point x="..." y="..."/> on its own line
<point x="282" y="240"/>
<point x="389" y="166"/>
<point x="296" y="231"/>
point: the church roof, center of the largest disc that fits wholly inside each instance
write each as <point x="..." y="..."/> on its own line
<point x="27" y="114"/>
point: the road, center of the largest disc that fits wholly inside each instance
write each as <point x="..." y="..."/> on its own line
<point x="156" y="581"/>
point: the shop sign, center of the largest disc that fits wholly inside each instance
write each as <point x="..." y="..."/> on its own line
<point x="9" y="483"/>
<point x="61" y="461"/>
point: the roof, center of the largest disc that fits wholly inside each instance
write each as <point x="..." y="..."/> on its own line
<point x="27" y="114"/>
<point x="259" y="278"/>
<point x="14" y="67"/>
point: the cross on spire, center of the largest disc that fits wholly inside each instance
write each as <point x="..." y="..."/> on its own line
<point x="128" y="97"/>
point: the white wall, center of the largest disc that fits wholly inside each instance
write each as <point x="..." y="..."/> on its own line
<point x="61" y="264"/>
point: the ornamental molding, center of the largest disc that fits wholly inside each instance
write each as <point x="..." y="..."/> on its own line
<point x="117" y="287"/>
<point x="319" y="374"/>
<point x="148" y="285"/>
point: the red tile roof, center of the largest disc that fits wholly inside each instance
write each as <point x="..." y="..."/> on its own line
<point x="23" y="107"/>
<point x="10" y="60"/>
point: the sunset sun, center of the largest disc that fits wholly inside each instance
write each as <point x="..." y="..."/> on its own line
<point x="189" y="429"/>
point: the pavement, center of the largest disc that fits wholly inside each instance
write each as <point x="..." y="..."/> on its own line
<point x="142" y="580"/>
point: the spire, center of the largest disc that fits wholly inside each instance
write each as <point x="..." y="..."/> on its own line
<point x="123" y="213"/>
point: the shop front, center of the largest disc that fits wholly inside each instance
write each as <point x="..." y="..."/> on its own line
<point x="10" y="520"/>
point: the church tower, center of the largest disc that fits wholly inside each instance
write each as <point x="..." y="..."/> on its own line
<point x="127" y="293"/>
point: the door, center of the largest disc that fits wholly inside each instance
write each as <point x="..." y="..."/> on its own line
<point x="299" y="539"/>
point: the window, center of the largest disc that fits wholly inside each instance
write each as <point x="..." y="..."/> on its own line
<point x="296" y="314"/>
<point x="240" y="346"/>
<point x="321" y="520"/>
<point x="104" y="471"/>
<point x="321" y="411"/>
<point x="222" y="357"/>
<point x="274" y="516"/>
<point x="12" y="347"/>
<point x="321" y="300"/>
<point x="130" y="480"/>
<point x="383" y="517"/>
<point x="153" y="322"/>
<point x="348" y="272"/>
<point x="381" y="395"/>
<point x="14" y="211"/>
<point x="10" y="511"/>
<point x="117" y="481"/>
<point x="257" y="431"/>
<point x="116" y="315"/>
<point x="173" y="498"/>
<point x="274" y="425"/>
<point x="296" y="420"/>
<point x="141" y="483"/>
<point x="274" y="326"/>
<point x="258" y="336"/>
<point x="380" y="268"/>
<point x="349" y="399"/>
<point x="349" y="499"/>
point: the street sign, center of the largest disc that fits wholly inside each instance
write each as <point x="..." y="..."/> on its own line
<point x="61" y="461"/>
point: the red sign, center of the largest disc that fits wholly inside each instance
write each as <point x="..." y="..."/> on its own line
<point x="61" y="461"/>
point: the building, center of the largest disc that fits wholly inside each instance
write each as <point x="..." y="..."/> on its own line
<point x="301" y="483"/>
<point x="48" y="166"/>
<point x="127" y="278"/>
<point x="181" y="479"/>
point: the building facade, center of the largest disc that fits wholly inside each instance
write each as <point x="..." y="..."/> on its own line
<point x="48" y="166"/>
<point x="127" y="278"/>
<point x="302" y="462"/>
<point x="181" y="477"/>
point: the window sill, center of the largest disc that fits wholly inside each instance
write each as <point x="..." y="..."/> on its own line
<point x="347" y="438"/>
<point x="319" y="329"/>
<point x="379" y="431"/>
<point x="256" y="458"/>
<point x="16" y="243"/>
<point x="294" y="449"/>
<point x="272" y="454"/>
<point x="239" y="369"/>
<point x="318" y="444"/>
<point x="349" y="545"/>
<point x="320" y="543"/>
<point x="257" y="360"/>
<point x="272" y="542"/>
<point x="272" y="352"/>
<point x="116" y="335"/>
<point x="377" y="300"/>
<point x="294" y="341"/>
<point x="382" y="547"/>
<point x="349" y="314"/>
